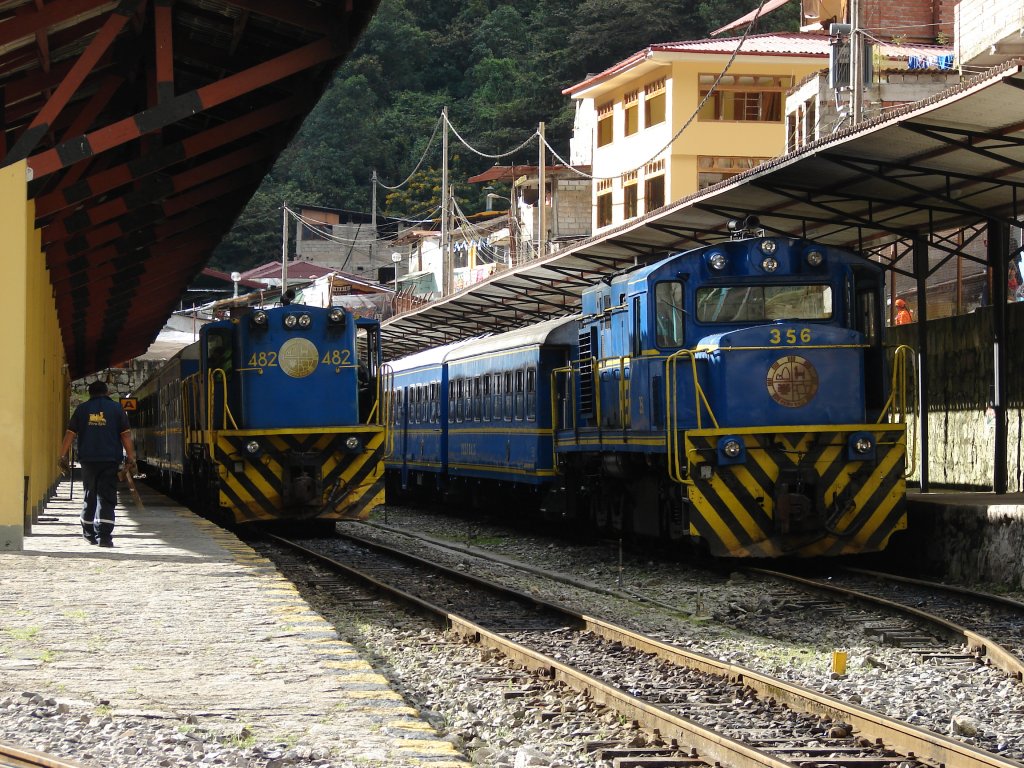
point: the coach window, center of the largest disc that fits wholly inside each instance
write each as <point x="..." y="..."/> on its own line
<point x="497" y="389"/>
<point x="486" y="383"/>
<point x="669" y="319"/>
<point x="451" y="401"/>
<point x="435" y="389"/>
<point x="520" y="396"/>
<point x="531" y="394"/>
<point x="460" y="403"/>
<point x="507" y="389"/>
<point x="478" y="403"/>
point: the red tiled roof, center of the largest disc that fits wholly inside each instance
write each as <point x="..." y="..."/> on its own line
<point x="814" y="44"/>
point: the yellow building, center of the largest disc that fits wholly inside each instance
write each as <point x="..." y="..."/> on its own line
<point x="633" y="111"/>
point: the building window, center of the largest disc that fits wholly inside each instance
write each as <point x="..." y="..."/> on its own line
<point x="631" y="113"/>
<point x="712" y="169"/>
<point x="744" y="97"/>
<point x="604" y="209"/>
<point x="654" y="103"/>
<point x="654" y="193"/>
<point x="604" y="125"/>
<point x="629" y="201"/>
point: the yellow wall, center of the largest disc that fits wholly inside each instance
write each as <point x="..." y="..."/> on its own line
<point x="33" y="379"/>
<point x="718" y="138"/>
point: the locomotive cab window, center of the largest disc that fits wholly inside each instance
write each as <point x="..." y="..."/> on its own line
<point x="763" y="303"/>
<point x="669" y="317"/>
<point x="219" y="349"/>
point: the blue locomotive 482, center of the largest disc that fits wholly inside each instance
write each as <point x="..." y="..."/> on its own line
<point x="736" y="396"/>
<point x="270" y="415"/>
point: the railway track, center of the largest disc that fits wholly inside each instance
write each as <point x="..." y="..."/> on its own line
<point x="711" y="712"/>
<point x="989" y="626"/>
<point x="12" y="756"/>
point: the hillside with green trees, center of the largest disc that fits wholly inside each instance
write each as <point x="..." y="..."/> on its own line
<point x="499" y="67"/>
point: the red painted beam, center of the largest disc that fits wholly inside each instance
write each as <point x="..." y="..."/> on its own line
<point x="214" y="94"/>
<point x="164" y="51"/>
<point x="106" y="181"/>
<point x="27" y="23"/>
<point x="218" y="169"/>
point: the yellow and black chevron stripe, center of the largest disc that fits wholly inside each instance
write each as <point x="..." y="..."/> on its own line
<point x="858" y="504"/>
<point x="353" y="482"/>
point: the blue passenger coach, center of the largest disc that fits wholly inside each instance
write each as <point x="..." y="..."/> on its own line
<point x="474" y="417"/>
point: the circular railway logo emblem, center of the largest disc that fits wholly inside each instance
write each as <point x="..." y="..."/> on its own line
<point x="298" y="357"/>
<point x="792" y="381"/>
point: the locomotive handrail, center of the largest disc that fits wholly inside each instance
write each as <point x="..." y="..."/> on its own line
<point x="675" y="472"/>
<point x="213" y="375"/>
<point x="904" y="359"/>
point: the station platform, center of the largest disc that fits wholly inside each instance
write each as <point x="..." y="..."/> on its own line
<point x="963" y="536"/>
<point x="182" y="620"/>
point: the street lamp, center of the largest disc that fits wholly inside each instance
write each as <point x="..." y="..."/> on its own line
<point x="492" y="196"/>
<point x="395" y="258"/>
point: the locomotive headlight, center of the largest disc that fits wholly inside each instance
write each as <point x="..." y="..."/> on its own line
<point x="290" y="321"/>
<point x="717" y="261"/>
<point x="258" y="319"/>
<point x="770" y="264"/>
<point x="252" y="447"/>
<point x="336" y="315"/>
<point x="768" y="247"/>
<point x="352" y="442"/>
<point x="861" y="446"/>
<point x="305" y="321"/>
<point x="731" y="450"/>
<point x="814" y="258"/>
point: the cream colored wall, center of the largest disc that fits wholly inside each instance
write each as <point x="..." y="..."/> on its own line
<point x="722" y="138"/>
<point x="33" y="409"/>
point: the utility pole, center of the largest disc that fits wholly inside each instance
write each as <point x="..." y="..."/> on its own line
<point x="541" y="188"/>
<point x="446" y="260"/>
<point x="373" y="219"/>
<point x="284" y="249"/>
<point x="856" y="63"/>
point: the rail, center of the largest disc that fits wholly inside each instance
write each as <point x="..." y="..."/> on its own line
<point x="675" y="471"/>
<point x="915" y="743"/>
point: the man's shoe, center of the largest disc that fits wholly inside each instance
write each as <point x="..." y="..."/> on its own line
<point x="106" y="543"/>
<point x="90" y="539"/>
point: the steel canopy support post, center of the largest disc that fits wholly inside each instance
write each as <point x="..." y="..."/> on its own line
<point x="998" y="251"/>
<point x="921" y="273"/>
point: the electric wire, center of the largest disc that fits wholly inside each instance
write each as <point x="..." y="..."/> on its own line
<point x="423" y="157"/>
<point x="473" y="149"/>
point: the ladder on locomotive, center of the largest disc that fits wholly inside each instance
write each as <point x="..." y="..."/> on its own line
<point x="586" y="364"/>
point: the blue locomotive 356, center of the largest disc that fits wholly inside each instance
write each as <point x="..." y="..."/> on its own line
<point x="269" y="415"/>
<point x="736" y="396"/>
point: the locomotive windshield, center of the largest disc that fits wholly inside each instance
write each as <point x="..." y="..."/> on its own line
<point x="763" y="303"/>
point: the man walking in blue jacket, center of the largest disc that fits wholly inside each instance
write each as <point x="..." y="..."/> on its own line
<point x="101" y="427"/>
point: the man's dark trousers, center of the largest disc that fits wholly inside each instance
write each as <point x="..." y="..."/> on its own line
<point x="99" y="479"/>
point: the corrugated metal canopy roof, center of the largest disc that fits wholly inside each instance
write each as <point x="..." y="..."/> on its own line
<point x="146" y="127"/>
<point x="951" y="161"/>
